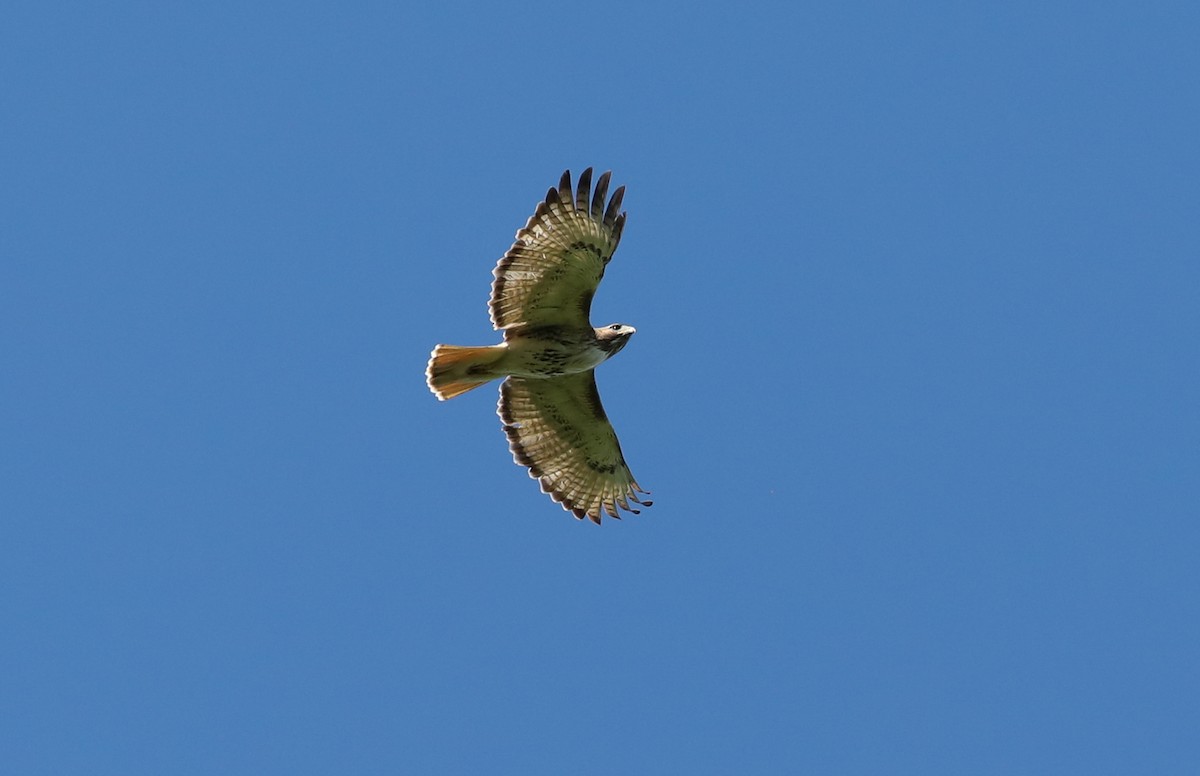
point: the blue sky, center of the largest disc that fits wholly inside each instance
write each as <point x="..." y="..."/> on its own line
<point x="915" y="387"/>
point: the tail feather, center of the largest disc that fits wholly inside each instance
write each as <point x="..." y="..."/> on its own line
<point x="454" y="370"/>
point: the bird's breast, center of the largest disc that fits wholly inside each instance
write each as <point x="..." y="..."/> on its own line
<point x="552" y="353"/>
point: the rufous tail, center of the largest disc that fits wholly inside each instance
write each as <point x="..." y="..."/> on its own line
<point x="454" y="370"/>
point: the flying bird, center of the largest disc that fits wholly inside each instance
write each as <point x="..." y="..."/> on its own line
<point x="541" y="300"/>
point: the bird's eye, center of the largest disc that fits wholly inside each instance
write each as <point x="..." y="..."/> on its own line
<point x="615" y="327"/>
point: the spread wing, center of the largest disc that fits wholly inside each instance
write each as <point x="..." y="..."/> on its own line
<point x="557" y="428"/>
<point x="549" y="275"/>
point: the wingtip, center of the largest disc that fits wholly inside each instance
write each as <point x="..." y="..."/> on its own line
<point x="564" y="189"/>
<point x="582" y="190"/>
<point x="614" y="207"/>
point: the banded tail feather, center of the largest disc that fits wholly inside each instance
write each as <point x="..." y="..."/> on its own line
<point x="454" y="370"/>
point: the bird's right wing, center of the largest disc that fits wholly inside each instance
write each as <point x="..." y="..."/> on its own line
<point x="558" y="429"/>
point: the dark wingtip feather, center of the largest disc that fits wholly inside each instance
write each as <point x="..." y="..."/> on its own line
<point x="564" y="188"/>
<point x="582" y="190"/>
<point x="614" y="206"/>
<point x="599" y="195"/>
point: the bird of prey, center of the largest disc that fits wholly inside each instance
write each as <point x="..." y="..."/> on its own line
<point x="541" y="300"/>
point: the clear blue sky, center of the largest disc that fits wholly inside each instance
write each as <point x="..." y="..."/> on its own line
<point x="915" y="385"/>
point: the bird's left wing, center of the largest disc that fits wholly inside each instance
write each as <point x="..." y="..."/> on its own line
<point x="557" y="428"/>
<point x="550" y="273"/>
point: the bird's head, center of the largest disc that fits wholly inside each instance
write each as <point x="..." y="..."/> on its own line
<point x="613" y="337"/>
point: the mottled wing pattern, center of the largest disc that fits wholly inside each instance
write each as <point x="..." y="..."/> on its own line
<point x="557" y="428"/>
<point x="550" y="273"/>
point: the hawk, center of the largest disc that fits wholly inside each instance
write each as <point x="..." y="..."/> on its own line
<point x="541" y="301"/>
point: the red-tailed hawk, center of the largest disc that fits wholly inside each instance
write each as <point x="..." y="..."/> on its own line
<point x="541" y="300"/>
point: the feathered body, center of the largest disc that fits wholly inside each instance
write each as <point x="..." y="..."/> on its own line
<point x="546" y="351"/>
